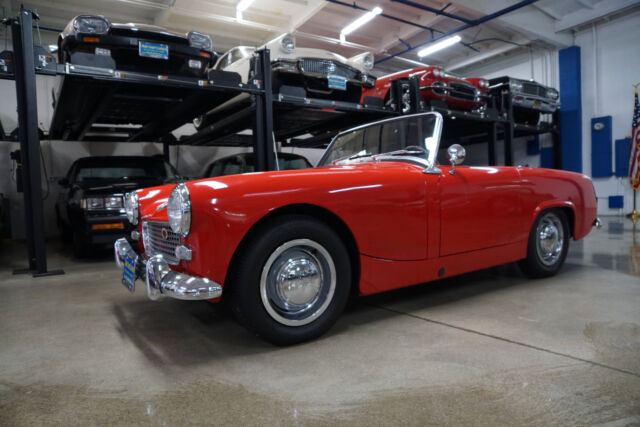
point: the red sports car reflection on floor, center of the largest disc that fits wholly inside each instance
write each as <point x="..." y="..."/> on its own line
<point x="435" y="85"/>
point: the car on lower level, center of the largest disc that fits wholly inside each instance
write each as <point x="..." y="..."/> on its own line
<point x="135" y="47"/>
<point x="246" y="162"/>
<point x="90" y="207"/>
<point x="435" y="85"/>
<point x="529" y="99"/>
<point x="286" y="249"/>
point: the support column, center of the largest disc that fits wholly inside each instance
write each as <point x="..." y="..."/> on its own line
<point x="570" y="109"/>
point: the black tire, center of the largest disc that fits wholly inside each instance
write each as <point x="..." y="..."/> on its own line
<point x="81" y="248"/>
<point x="545" y="252"/>
<point x="264" y="306"/>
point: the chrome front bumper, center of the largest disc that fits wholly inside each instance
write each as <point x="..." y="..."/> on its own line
<point x="161" y="281"/>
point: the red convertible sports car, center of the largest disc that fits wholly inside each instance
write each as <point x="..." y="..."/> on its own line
<point x="287" y="248"/>
<point x="435" y="85"/>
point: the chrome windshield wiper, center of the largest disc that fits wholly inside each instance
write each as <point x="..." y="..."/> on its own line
<point x="359" y="156"/>
<point x="405" y="152"/>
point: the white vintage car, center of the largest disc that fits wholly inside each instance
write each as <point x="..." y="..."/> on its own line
<point x="314" y="73"/>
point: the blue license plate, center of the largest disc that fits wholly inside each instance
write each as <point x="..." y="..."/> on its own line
<point x="337" y="82"/>
<point x="129" y="274"/>
<point x="153" y="50"/>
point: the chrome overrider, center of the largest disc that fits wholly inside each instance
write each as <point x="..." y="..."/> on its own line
<point x="161" y="281"/>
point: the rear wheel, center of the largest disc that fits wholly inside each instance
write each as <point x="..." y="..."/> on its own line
<point x="548" y="244"/>
<point x="292" y="281"/>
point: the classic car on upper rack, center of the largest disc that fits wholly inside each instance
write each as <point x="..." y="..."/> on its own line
<point x="90" y="209"/>
<point x="313" y="73"/>
<point x="435" y="85"/>
<point x="246" y="162"/>
<point x="287" y="248"/>
<point x="135" y="47"/>
<point x="529" y="98"/>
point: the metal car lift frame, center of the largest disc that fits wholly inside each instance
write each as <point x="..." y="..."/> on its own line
<point x="489" y="125"/>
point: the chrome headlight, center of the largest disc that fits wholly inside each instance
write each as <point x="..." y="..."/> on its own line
<point x="552" y="93"/>
<point x="131" y="207"/>
<point x="179" y="210"/>
<point x="368" y="61"/>
<point x="288" y="43"/>
<point x="199" y="40"/>
<point x="89" y="24"/>
<point x="436" y="72"/>
<point x="484" y="83"/>
<point x="515" y="86"/>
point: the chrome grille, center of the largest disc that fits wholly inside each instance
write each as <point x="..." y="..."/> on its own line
<point x="327" y="67"/>
<point x="156" y="244"/>
<point x="534" y="89"/>
<point x="462" y="91"/>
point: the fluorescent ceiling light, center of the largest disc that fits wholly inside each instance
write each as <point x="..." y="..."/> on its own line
<point x="359" y="22"/>
<point x="241" y="7"/>
<point x="439" y="46"/>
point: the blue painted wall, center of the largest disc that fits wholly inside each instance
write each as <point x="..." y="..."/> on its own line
<point x="601" y="145"/>
<point x="623" y="147"/>
<point x="570" y="108"/>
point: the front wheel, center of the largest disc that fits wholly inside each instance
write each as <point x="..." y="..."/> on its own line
<point x="292" y="281"/>
<point x="548" y="244"/>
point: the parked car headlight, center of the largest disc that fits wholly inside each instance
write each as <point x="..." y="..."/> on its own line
<point x="199" y="40"/>
<point x="484" y="83"/>
<point x="114" y="202"/>
<point x="288" y="43"/>
<point x="89" y="24"/>
<point x="552" y="93"/>
<point x="92" y="203"/>
<point x="131" y="207"/>
<point x="368" y="61"/>
<point x="515" y="86"/>
<point x="179" y="210"/>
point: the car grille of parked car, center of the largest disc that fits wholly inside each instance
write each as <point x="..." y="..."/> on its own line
<point x="462" y="91"/>
<point x="534" y="89"/>
<point x="159" y="239"/>
<point x="328" y="67"/>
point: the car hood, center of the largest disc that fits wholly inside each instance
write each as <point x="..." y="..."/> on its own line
<point x="106" y="187"/>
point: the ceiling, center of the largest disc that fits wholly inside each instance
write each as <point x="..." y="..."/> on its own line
<point x="317" y="23"/>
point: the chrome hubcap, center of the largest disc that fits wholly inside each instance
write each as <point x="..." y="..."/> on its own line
<point x="550" y="239"/>
<point x="298" y="282"/>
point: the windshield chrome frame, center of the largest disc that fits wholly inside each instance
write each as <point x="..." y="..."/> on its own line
<point x="430" y="163"/>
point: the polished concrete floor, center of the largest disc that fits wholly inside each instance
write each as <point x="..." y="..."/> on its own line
<point x="487" y="348"/>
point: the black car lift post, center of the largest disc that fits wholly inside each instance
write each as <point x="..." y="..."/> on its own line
<point x="25" y="76"/>
<point x="263" y="138"/>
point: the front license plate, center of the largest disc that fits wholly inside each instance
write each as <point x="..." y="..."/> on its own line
<point x="129" y="274"/>
<point x="153" y="50"/>
<point x="337" y="82"/>
<point x="537" y="104"/>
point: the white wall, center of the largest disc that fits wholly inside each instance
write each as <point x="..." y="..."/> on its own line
<point x="617" y="61"/>
<point x="607" y="91"/>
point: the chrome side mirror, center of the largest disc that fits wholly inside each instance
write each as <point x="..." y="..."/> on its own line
<point x="457" y="153"/>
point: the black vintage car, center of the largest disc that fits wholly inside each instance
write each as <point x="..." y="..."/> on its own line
<point x="245" y="162"/>
<point x="529" y="98"/>
<point x="90" y="209"/>
<point x="135" y="47"/>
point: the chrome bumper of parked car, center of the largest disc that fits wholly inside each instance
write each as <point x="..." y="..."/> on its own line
<point x="534" y="103"/>
<point x="161" y="281"/>
<point x="597" y="223"/>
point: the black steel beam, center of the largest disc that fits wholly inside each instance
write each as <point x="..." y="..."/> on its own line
<point x="263" y="126"/>
<point x="29" y="143"/>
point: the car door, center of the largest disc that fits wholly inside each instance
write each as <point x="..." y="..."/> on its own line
<point x="480" y="207"/>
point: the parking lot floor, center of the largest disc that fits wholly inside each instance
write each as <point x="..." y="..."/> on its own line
<point x="487" y="348"/>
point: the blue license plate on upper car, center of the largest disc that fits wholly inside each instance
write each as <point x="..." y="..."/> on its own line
<point x="153" y="50"/>
<point x="337" y="82"/>
<point x="129" y="274"/>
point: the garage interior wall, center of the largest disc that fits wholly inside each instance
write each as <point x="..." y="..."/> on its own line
<point x="608" y="74"/>
<point x="606" y="90"/>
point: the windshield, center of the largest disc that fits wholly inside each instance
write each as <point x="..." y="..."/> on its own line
<point x="415" y="133"/>
<point x="123" y="169"/>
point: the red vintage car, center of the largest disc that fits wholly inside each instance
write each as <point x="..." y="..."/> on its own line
<point x="435" y="85"/>
<point x="287" y="248"/>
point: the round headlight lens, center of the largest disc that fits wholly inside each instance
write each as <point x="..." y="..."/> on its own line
<point x="552" y="93"/>
<point x="131" y="207"/>
<point x="179" y="210"/>
<point x="288" y="43"/>
<point x="367" y="61"/>
<point x="199" y="40"/>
